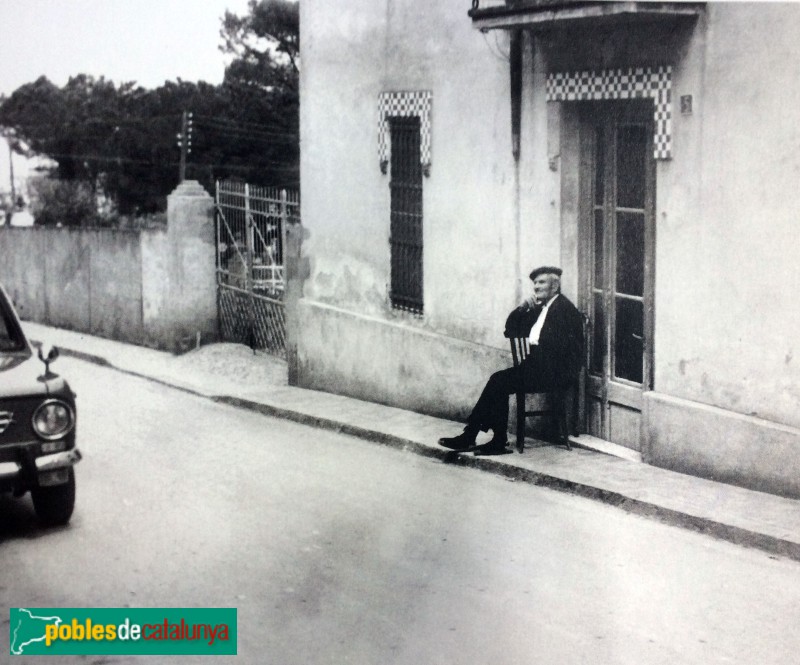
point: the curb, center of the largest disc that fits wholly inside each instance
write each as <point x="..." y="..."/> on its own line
<point x="732" y="534"/>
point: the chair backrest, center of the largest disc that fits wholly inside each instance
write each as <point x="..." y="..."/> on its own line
<point x="520" y="349"/>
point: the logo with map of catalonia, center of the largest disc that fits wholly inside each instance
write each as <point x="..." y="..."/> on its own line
<point x="28" y="628"/>
<point x="71" y="631"/>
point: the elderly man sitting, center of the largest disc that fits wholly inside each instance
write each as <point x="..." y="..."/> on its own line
<point x="554" y="328"/>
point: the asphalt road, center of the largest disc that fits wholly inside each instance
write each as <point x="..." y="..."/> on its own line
<point x="336" y="550"/>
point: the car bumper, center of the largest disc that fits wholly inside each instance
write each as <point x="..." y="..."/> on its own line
<point x="58" y="460"/>
<point x="11" y="472"/>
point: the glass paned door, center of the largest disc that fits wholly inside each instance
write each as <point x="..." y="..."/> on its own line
<point x="618" y="205"/>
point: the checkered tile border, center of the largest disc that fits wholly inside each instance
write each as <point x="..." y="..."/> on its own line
<point x="405" y="104"/>
<point x="631" y="83"/>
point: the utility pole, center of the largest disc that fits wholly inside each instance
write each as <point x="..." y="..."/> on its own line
<point x="185" y="142"/>
<point x="11" y="171"/>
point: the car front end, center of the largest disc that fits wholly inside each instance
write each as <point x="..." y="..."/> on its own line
<point x="37" y="424"/>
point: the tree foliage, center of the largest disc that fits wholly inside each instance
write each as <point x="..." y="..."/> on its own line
<point x="118" y="141"/>
<point x="265" y="42"/>
<point x="262" y="78"/>
<point x="66" y="202"/>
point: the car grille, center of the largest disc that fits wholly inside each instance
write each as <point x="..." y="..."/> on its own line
<point x="6" y="418"/>
<point x="15" y="419"/>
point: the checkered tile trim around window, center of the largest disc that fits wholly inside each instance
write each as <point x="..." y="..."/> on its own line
<point x="405" y="104"/>
<point x="631" y="83"/>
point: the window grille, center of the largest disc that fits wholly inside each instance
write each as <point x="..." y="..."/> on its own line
<point x="406" y="214"/>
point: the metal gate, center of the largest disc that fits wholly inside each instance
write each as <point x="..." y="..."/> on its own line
<point x="251" y="232"/>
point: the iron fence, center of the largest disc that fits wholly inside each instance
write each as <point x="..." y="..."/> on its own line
<point x="251" y="234"/>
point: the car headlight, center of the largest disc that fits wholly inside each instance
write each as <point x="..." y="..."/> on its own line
<point x="53" y="419"/>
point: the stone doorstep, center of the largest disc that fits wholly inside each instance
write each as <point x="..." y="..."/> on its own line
<point x="590" y="442"/>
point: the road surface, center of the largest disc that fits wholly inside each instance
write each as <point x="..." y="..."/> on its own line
<point x="336" y="550"/>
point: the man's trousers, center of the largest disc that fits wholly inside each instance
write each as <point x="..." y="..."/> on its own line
<point x="491" y="409"/>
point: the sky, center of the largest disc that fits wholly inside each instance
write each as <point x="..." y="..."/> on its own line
<point x="147" y="41"/>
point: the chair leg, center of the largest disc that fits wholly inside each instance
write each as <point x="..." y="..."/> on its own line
<point x="520" y="422"/>
<point x="563" y="424"/>
<point x="565" y="438"/>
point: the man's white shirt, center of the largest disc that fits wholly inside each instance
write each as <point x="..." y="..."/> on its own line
<point x="536" y="331"/>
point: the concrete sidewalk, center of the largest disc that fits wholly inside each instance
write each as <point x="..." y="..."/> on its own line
<point x="233" y="374"/>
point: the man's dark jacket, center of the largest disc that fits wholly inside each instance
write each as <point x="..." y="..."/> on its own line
<point x="559" y="357"/>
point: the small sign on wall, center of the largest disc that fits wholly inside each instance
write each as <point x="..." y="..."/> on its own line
<point x="686" y="105"/>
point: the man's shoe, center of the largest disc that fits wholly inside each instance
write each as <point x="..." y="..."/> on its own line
<point x="493" y="447"/>
<point x="460" y="442"/>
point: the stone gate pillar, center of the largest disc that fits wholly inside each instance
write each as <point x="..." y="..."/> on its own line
<point x="179" y="273"/>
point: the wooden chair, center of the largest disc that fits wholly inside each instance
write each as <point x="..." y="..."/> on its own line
<point x="559" y="400"/>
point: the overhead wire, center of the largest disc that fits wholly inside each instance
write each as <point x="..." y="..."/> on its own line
<point x="238" y="123"/>
<point x="244" y="131"/>
<point x="245" y="128"/>
<point x="273" y="164"/>
<point x="221" y="127"/>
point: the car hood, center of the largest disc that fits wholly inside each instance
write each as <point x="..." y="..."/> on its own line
<point x="23" y="374"/>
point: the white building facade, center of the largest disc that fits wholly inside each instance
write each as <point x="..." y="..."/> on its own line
<point x="649" y="149"/>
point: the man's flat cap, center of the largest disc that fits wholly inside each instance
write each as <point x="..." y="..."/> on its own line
<point x="546" y="270"/>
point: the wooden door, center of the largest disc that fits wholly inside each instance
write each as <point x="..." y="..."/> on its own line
<point x="618" y="229"/>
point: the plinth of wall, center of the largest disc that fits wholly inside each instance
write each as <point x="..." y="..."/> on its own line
<point x="714" y="443"/>
<point x="394" y="363"/>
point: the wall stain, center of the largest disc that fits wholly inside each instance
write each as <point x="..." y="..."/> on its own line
<point x="683" y="364"/>
<point x="324" y="280"/>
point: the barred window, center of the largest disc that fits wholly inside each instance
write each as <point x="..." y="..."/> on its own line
<point x="406" y="214"/>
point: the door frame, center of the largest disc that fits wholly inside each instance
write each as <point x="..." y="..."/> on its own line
<point x="639" y="112"/>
